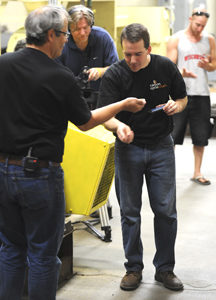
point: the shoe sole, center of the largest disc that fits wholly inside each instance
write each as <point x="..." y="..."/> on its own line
<point x="131" y="288"/>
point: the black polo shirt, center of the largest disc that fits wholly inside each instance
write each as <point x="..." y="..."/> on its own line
<point x="157" y="83"/>
<point x="38" y="97"/>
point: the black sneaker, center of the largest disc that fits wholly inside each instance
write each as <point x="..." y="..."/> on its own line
<point x="169" y="280"/>
<point x="131" y="280"/>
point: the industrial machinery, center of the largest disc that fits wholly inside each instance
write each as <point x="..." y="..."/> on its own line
<point x="88" y="164"/>
<point x="159" y="32"/>
<point x="115" y="19"/>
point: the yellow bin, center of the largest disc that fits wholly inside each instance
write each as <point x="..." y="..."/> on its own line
<point x="88" y="164"/>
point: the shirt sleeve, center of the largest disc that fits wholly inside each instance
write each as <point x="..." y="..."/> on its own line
<point x="76" y="107"/>
<point x="178" y="88"/>
<point x="109" y="89"/>
<point x="110" y="52"/>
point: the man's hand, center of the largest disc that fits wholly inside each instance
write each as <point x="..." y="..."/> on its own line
<point x="170" y="108"/>
<point x="124" y="133"/>
<point x="133" y="104"/>
<point x="204" y="62"/>
<point x="187" y="73"/>
<point x="94" y="74"/>
<point x="173" y="107"/>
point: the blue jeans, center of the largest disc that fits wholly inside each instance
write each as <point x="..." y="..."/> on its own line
<point x="157" y="164"/>
<point x="31" y="229"/>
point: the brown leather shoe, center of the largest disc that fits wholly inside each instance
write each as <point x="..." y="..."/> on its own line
<point x="169" y="280"/>
<point x="131" y="280"/>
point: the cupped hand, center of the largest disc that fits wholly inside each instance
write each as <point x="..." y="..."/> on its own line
<point x="94" y="74"/>
<point x="124" y="133"/>
<point x="187" y="73"/>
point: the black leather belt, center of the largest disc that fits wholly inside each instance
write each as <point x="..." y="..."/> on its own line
<point x="18" y="161"/>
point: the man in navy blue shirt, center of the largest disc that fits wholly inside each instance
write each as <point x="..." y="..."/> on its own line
<point x="88" y="45"/>
<point x="89" y="52"/>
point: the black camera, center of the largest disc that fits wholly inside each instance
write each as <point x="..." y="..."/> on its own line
<point x="83" y="78"/>
<point x="89" y="94"/>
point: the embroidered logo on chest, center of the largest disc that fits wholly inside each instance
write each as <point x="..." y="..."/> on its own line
<point x="157" y="85"/>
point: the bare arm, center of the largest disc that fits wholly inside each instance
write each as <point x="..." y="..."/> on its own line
<point x="172" y="49"/>
<point x="105" y="113"/>
<point x="209" y="63"/>
<point x="172" y="53"/>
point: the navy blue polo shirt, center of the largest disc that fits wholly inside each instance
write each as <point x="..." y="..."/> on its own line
<point x="100" y="52"/>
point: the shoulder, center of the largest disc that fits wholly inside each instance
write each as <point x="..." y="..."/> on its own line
<point x="9" y="56"/>
<point x="70" y="45"/>
<point x="116" y="81"/>
<point x="163" y="65"/>
<point x="174" y="39"/>
<point x="161" y="60"/>
<point x="117" y="69"/>
<point x="63" y="71"/>
<point x="179" y="33"/>
<point x="100" y="32"/>
<point x="118" y="76"/>
<point x="211" y="39"/>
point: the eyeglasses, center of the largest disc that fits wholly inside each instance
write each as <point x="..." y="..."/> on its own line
<point x="201" y="13"/>
<point x="67" y="34"/>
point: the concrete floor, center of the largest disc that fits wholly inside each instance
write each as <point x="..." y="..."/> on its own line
<point x="98" y="266"/>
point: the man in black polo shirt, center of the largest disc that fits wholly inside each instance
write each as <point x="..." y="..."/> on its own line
<point x="37" y="98"/>
<point x="144" y="149"/>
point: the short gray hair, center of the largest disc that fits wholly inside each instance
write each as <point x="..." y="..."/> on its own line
<point x="43" y="19"/>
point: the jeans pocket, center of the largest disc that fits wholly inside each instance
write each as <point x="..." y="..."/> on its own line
<point x="34" y="192"/>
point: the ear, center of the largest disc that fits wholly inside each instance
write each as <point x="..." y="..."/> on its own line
<point x="149" y="49"/>
<point x="51" y="35"/>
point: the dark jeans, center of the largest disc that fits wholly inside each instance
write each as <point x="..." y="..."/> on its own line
<point x="31" y="228"/>
<point x="157" y="164"/>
